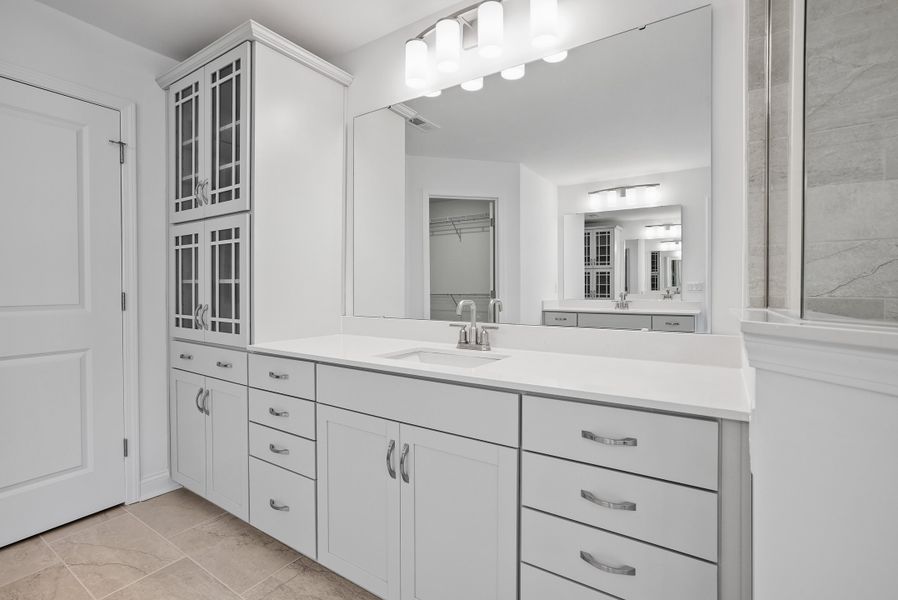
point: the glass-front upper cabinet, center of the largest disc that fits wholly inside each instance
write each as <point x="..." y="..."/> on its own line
<point x="208" y="131"/>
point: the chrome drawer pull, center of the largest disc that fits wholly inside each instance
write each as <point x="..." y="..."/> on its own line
<point x="403" y="467"/>
<point x="196" y="400"/>
<point x="206" y="402"/>
<point x="277" y="450"/>
<point x="587" y="495"/>
<point x="277" y="506"/>
<point x="592" y="437"/>
<point x="672" y="323"/>
<point x="390" y="447"/>
<point x="223" y="365"/>
<point x="274" y="375"/>
<point x="185" y="356"/>
<point x="624" y="570"/>
<point x="278" y="413"/>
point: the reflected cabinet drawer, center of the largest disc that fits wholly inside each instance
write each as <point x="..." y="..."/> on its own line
<point x="666" y="514"/>
<point x="288" y="451"/>
<point x="614" y="321"/>
<point x="212" y="361"/>
<point x="560" y="319"/>
<point x="282" y="375"/>
<point x="611" y="563"/>
<point x="679" y="449"/>
<point x="682" y="323"/>
<point x="282" y="504"/>
<point x="286" y="413"/>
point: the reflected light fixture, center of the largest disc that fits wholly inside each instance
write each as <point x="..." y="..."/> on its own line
<point x="628" y="194"/>
<point x="474" y="85"/>
<point x="669" y="246"/>
<point x="557" y="57"/>
<point x="434" y="94"/>
<point x="514" y="73"/>
<point x="490" y="29"/>
<point x="448" y="45"/>
<point x="416" y="63"/>
<point x="543" y="23"/>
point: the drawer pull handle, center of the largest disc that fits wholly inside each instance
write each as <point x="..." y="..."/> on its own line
<point x="403" y="466"/>
<point x="278" y="413"/>
<point x="278" y="506"/>
<point x="587" y="495"/>
<point x="223" y="365"/>
<point x="276" y="450"/>
<point x="390" y="448"/>
<point x="592" y="437"/>
<point x="184" y="356"/>
<point x="672" y="323"/>
<point x="624" y="570"/>
<point x="196" y="400"/>
<point x="274" y="375"/>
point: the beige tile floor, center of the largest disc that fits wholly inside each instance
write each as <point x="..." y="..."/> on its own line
<point x="174" y="547"/>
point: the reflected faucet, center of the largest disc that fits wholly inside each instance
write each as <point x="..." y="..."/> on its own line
<point x="668" y="295"/>
<point x="622" y="303"/>
<point x="471" y="337"/>
<point x="495" y="308"/>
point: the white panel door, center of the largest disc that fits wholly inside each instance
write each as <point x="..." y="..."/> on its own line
<point x="358" y="499"/>
<point x="459" y="503"/>
<point x="61" y="386"/>
<point x="227" y="456"/>
<point x="188" y="430"/>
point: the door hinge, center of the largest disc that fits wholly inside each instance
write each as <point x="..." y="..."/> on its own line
<point x="124" y="302"/>
<point x="125" y="446"/>
<point x="121" y="150"/>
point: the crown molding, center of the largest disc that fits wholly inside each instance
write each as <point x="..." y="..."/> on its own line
<point x="252" y="31"/>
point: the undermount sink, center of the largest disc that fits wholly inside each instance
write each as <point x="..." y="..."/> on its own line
<point x="467" y="359"/>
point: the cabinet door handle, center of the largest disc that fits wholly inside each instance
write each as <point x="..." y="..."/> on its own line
<point x="196" y="316"/>
<point x="390" y="447"/>
<point x="403" y="466"/>
<point x="196" y="400"/>
<point x="592" y="437"/>
<point x="278" y="450"/>
<point x="223" y="365"/>
<point x="203" y="313"/>
<point x="183" y="356"/>
<point x="206" y="401"/>
<point x="280" y="376"/>
<point x="590" y="560"/>
<point x="278" y="413"/>
<point x="587" y="495"/>
<point x="278" y="506"/>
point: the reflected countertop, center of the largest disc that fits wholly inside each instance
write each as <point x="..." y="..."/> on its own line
<point x="637" y="307"/>
<point x="700" y="390"/>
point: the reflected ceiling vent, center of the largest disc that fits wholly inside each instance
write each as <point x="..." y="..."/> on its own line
<point x="413" y="118"/>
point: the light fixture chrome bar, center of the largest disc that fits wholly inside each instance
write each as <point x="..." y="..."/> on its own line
<point x="459" y="15"/>
<point x="624" y="188"/>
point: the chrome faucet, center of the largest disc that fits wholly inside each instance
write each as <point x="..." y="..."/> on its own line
<point x="622" y="303"/>
<point x="495" y="308"/>
<point x="668" y="295"/>
<point x="471" y="337"/>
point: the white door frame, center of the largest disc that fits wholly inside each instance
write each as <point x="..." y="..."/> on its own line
<point x="128" y="114"/>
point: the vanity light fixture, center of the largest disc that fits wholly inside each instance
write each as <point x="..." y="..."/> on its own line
<point x="629" y="193"/>
<point x="514" y="73"/>
<point x="474" y="85"/>
<point x="448" y="45"/>
<point x="664" y="231"/>
<point x="557" y="57"/>
<point x="434" y="94"/>
<point x="669" y="246"/>
<point x="490" y="29"/>
<point x="416" y="63"/>
<point x="543" y="23"/>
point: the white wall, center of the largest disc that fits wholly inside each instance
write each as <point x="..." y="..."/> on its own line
<point x="426" y="177"/>
<point x="378" y="68"/>
<point x="379" y="218"/>
<point x="38" y="38"/>
<point x="539" y="245"/>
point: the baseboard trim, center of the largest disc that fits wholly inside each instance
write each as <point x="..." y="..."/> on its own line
<point x="156" y="485"/>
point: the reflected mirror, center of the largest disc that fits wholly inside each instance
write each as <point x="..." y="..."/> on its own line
<point x="578" y="194"/>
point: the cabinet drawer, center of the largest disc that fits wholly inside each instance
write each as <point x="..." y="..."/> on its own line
<point x="564" y="547"/>
<point x="685" y="324"/>
<point x="282" y="504"/>
<point x="560" y="319"/>
<point x="293" y="453"/>
<point x="614" y="321"/>
<point x="286" y="413"/>
<point x="282" y="375"/>
<point x="220" y="363"/>
<point x="540" y="585"/>
<point x="665" y="514"/>
<point x="674" y="448"/>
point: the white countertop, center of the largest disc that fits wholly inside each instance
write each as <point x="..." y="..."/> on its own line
<point x="700" y="390"/>
<point x="637" y="307"/>
<point x="630" y="311"/>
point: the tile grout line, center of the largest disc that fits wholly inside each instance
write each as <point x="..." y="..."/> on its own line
<point x="290" y="564"/>
<point x="88" y="528"/>
<point x="67" y="567"/>
<point x="177" y="533"/>
<point x="115" y="591"/>
<point x="212" y="575"/>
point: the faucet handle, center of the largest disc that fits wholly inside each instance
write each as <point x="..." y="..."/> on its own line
<point x="463" y="335"/>
<point x="483" y="338"/>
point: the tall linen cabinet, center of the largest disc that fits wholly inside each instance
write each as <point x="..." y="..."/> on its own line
<point x="256" y="149"/>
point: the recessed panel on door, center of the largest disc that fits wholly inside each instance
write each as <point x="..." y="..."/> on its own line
<point x="225" y="310"/>
<point x="187" y="187"/>
<point x="187" y="276"/>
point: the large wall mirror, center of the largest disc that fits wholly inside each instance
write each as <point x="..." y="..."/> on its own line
<point x="576" y="192"/>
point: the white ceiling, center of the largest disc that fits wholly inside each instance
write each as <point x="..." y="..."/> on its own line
<point x="625" y="106"/>
<point x="178" y="28"/>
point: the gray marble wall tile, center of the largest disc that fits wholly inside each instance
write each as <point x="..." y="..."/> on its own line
<point x="868" y="309"/>
<point x="852" y="269"/>
<point x="852" y="211"/>
<point x="891" y="310"/>
<point x="858" y="153"/>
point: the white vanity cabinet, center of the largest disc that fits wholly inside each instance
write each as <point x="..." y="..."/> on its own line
<point x="208" y="439"/>
<point x="408" y="512"/>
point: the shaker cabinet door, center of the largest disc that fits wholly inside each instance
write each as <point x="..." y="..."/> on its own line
<point x="188" y="430"/>
<point x="358" y="499"/>
<point x="459" y="500"/>
<point x="227" y="457"/>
